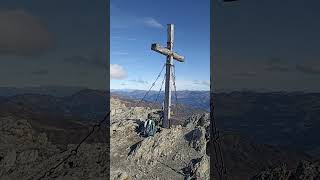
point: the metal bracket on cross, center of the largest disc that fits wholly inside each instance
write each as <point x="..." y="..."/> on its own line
<point x="170" y="56"/>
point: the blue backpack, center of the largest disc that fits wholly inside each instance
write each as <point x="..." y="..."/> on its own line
<point x="149" y="128"/>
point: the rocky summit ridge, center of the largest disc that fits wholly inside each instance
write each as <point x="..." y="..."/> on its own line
<point x="175" y="153"/>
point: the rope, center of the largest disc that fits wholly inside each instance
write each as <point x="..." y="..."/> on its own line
<point x="152" y="84"/>
<point x="174" y="84"/>
<point x="97" y="126"/>
<point x="219" y="165"/>
<point x="164" y="78"/>
<point x="159" y="92"/>
<point x="145" y="95"/>
<point x="175" y="92"/>
<point x="74" y="151"/>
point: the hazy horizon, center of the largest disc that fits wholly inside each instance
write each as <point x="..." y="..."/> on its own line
<point x="76" y="88"/>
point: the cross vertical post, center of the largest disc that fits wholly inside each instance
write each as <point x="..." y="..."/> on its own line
<point x="168" y="52"/>
<point x="167" y="99"/>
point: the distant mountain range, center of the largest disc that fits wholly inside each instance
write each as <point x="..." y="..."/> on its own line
<point x="195" y="99"/>
<point x="59" y="91"/>
<point x="278" y="118"/>
<point x="85" y="104"/>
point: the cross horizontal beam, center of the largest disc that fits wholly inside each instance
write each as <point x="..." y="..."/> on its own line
<point x="165" y="51"/>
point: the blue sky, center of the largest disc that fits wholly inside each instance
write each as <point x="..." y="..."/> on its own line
<point x="135" y="25"/>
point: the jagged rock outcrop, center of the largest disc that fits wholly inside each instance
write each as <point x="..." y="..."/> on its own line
<point x="26" y="154"/>
<point x="198" y="168"/>
<point x="119" y="175"/>
<point x="307" y="170"/>
<point x="202" y="120"/>
<point x="197" y="139"/>
<point x="199" y="135"/>
<point x="304" y="171"/>
<point x="272" y="174"/>
<point x="20" y="145"/>
<point x="151" y="149"/>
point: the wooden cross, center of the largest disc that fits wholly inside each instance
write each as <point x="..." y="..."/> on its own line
<point x="170" y="56"/>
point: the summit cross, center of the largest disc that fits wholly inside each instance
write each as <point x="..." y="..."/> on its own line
<point x="167" y="51"/>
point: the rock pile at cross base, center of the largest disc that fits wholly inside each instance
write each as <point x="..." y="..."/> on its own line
<point x="176" y="153"/>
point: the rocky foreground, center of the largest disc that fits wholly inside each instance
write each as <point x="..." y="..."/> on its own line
<point x="177" y="153"/>
<point x="26" y="154"/>
<point x="182" y="152"/>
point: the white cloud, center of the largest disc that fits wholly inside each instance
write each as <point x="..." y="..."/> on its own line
<point x="120" y="19"/>
<point x="117" y="72"/>
<point x="151" y="22"/>
<point x="139" y="81"/>
<point x="196" y="85"/>
<point x="202" y="82"/>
